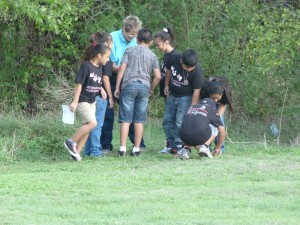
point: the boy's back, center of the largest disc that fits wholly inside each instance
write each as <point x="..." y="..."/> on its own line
<point x="196" y="122"/>
<point x="141" y="61"/>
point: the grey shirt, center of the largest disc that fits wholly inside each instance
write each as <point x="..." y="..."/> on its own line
<point x="140" y="62"/>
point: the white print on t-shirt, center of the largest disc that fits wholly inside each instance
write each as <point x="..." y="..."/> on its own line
<point x="92" y="89"/>
<point x="178" y="81"/>
<point x="95" y="77"/>
<point x="173" y="71"/>
<point x="196" y="111"/>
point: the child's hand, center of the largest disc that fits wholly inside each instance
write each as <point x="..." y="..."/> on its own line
<point x="166" y="90"/>
<point x="217" y="152"/>
<point x="73" y="106"/>
<point x="103" y="93"/>
<point x="117" y="93"/>
<point x="111" y="103"/>
<point x="151" y="92"/>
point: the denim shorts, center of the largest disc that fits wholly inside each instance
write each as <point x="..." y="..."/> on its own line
<point x="133" y="103"/>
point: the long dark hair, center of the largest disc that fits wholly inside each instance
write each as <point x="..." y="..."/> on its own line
<point x="93" y="50"/>
<point x="166" y="34"/>
<point x="100" y="38"/>
<point x="227" y="97"/>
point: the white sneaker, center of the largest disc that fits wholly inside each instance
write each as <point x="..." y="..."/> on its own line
<point x="185" y="153"/>
<point x="166" y="150"/>
<point x="204" y="151"/>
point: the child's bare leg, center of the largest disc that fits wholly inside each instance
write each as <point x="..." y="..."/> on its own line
<point x="124" y="133"/>
<point x="81" y="142"/>
<point x="83" y="131"/>
<point x="138" y="134"/>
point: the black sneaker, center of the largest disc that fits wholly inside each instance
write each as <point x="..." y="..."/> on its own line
<point x="134" y="153"/>
<point x="75" y="158"/>
<point x="122" y="153"/>
<point x="71" y="147"/>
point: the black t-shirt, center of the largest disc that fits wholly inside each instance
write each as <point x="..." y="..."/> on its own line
<point x="195" y="129"/>
<point x="90" y="77"/>
<point x="183" y="83"/>
<point x="163" y="70"/>
<point x="107" y="69"/>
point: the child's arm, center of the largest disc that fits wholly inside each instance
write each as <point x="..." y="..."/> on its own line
<point x="119" y="79"/>
<point x="106" y="84"/>
<point x="75" y="101"/>
<point x="221" y="138"/>
<point x="196" y="96"/>
<point x="221" y="109"/>
<point x="156" y="80"/>
<point x="167" y="82"/>
<point x="115" y="68"/>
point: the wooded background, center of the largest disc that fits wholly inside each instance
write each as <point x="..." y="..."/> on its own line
<point x="255" y="44"/>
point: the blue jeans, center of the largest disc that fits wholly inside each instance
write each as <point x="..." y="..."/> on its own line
<point x="93" y="146"/>
<point x="107" y="129"/>
<point x="174" y="112"/>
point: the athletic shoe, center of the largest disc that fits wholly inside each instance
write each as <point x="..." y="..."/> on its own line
<point x="76" y="158"/>
<point x="204" y="151"/>
<point x="106" y="151"/>
<point x="176" y="153"/>
<point x="135" y="153"/>
<point x="71" y="147"/>
<point x="185" y="153"/>
<point x="122" y="153"/>
<point x="166" y="150"/>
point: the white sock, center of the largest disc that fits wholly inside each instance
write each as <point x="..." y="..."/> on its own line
<point x="135" y="149"/>
<point x="122" y="149"/>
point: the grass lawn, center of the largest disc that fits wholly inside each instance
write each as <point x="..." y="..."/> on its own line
<point x="248" y="185"/>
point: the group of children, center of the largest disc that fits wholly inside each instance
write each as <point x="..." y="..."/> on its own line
<point x="123" y="62"/>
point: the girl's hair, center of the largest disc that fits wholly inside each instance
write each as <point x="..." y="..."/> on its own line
<point x="215" y="87"/>
<point x="166" y="34"/>
<point x="100" y="38"/>
<point x="93" y="50"/>
<point x="227" y="97"/>
<point x="144" y="35"/>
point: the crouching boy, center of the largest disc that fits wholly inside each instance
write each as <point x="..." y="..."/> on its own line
<point x="200" y="127"/>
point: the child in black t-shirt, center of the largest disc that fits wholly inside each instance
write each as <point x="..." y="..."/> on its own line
<point x="164" y="40"/>
<point x="201" y="124"/>
<point x="227" y="99"/>
<point x="88" y="85"/>
<point x="184" y="78"/>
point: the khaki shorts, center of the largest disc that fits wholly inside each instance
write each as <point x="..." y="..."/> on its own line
<point x="87" y="111"/>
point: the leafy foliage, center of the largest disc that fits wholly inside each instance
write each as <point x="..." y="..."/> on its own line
<point x="255" y="44"/>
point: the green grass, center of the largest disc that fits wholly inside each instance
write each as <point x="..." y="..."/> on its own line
<point x="242" y="187"/>
<point x="250" y="184"/>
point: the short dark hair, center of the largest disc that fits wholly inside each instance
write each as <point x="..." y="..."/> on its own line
<point x="189" y="58"/>
<point x="144" y="35"/>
